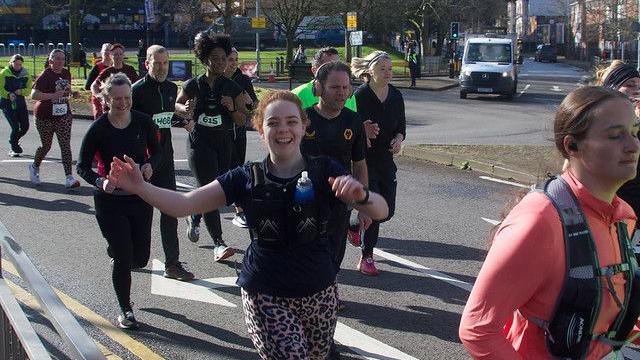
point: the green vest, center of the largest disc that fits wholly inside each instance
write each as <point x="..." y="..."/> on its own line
<point x="305" y="93"/>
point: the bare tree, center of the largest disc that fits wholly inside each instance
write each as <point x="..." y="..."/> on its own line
<point x="288" y="14"/>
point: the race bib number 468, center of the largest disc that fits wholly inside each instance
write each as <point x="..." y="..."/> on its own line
<point x="163" y="120"/>
<point x="210" y="121"/>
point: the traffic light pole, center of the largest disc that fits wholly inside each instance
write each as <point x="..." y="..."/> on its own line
<point x="258" y="42"/>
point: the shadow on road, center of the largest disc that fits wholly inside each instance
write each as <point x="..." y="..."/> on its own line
<point x="431" y="249"/>
<point x="48" y="205"/>
<point x="196" y="344"/>
<point x="422" y="320"/>
<point x="389" y="281"/>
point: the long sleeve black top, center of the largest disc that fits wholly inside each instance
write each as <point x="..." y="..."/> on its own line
<point x="133" y="141"/>
<point x="389" y="115"/>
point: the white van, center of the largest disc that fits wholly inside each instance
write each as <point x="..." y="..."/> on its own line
<point x="489" y="67"/>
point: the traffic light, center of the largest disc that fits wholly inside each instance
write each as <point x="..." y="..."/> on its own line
<point x="455" y="28"/>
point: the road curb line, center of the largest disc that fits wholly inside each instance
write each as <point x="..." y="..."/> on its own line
<point x="449" y="159"/>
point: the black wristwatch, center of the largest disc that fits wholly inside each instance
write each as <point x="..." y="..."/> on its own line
<point x="364" y="201"/>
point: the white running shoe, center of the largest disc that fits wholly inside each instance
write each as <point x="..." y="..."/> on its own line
<point x="34" y="174"/>
<point x="193" y="231"/>
<point x="222" y="251"/>
<point x="71" y="182"/>
<point x="240" y="221"/>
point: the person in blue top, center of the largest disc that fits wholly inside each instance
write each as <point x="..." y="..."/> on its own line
<point x="288" y="277"/>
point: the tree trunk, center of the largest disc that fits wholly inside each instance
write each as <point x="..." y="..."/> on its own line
<point x="290" y="42"/>
<point x="74" y="27"/>
<point x="441" y="33"/>
<point x="228" y="6"/>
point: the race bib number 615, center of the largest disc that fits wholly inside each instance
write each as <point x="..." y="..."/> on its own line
<point x="210" y="121"/>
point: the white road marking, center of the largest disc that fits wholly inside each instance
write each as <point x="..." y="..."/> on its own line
<point x="423" y="269"/>
<point x="200" y="290"/>
<point x="490" y="221"/>
<point x="556" y="88"/>
<point x="183" y="185"/>
<point x="29" y="161"/>
<point x="197" y="290"/>
<point x="505" y="182"/>
<point x="525" y="89"/>
<point x="364" y="345"/>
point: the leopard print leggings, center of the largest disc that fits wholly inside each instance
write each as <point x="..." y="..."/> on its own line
<point x="61" y="126"/>
<point x="291" y="328"/>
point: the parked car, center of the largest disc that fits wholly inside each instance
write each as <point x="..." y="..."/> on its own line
<point x="546" y="53"/>
<point x="330" y="37"/>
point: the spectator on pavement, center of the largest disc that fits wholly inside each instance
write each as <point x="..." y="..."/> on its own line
<point x="15" y="82"/>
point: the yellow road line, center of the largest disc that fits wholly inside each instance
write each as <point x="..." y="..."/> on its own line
<point x="116" y="334"/>
<point x="28" y="300"/>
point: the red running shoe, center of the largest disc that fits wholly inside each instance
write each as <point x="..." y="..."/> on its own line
<point x="367" y="266"/>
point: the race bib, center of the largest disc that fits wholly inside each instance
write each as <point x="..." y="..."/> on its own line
<point x="210" y="121"/>
<point x="59" y="109"/>
<point x="163" y="120"/>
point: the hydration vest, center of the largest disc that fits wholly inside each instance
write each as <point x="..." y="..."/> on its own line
<point x="570" y="330"/>
<point x="275" y="220"/>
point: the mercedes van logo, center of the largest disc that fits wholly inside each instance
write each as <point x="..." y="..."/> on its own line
<point x="484" y="76"/>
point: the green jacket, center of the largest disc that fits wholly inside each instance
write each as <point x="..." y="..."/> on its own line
<point x="305" y="93"/>
<point x="10" y="82"/>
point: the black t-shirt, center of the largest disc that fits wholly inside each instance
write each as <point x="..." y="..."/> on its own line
<point x="292" y="271"/>
<point x="245" y="84"/>
<point x="389" y="115"/>
<point x="210" y="116"/>
<point x="341" y="138"/>
<point x="133" y="141"/>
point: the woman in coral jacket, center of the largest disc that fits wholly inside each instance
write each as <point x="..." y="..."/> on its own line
<point x="522" y="277"/>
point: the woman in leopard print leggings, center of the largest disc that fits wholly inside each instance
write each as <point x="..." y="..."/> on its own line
<point x="53" y="116"/>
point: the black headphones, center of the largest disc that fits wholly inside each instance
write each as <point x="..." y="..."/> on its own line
<point x="573" y="146"/>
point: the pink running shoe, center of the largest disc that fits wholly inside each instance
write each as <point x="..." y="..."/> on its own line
<point x="354" y="235"/>
<point x="367" y="266"/>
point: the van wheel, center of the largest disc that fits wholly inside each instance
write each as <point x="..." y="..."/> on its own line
<point x="463" y="95"/>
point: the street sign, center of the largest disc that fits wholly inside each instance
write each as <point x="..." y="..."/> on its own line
<point x="352" y="21"/>
<point x="259" y="22"/>
<point x="149" y="11"/>
<point x="355" y="38"/>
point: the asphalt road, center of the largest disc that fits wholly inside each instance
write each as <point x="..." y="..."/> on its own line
<point x="429" y="253"/>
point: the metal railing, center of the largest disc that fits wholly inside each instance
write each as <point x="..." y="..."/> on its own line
<point x="79" y="343"/>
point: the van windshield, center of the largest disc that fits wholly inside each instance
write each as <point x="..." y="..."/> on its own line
<point x="483" y="52"/>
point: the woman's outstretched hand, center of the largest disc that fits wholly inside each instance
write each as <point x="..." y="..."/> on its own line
<point x="347" y="188"/>
<point x="126" y="174"/>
